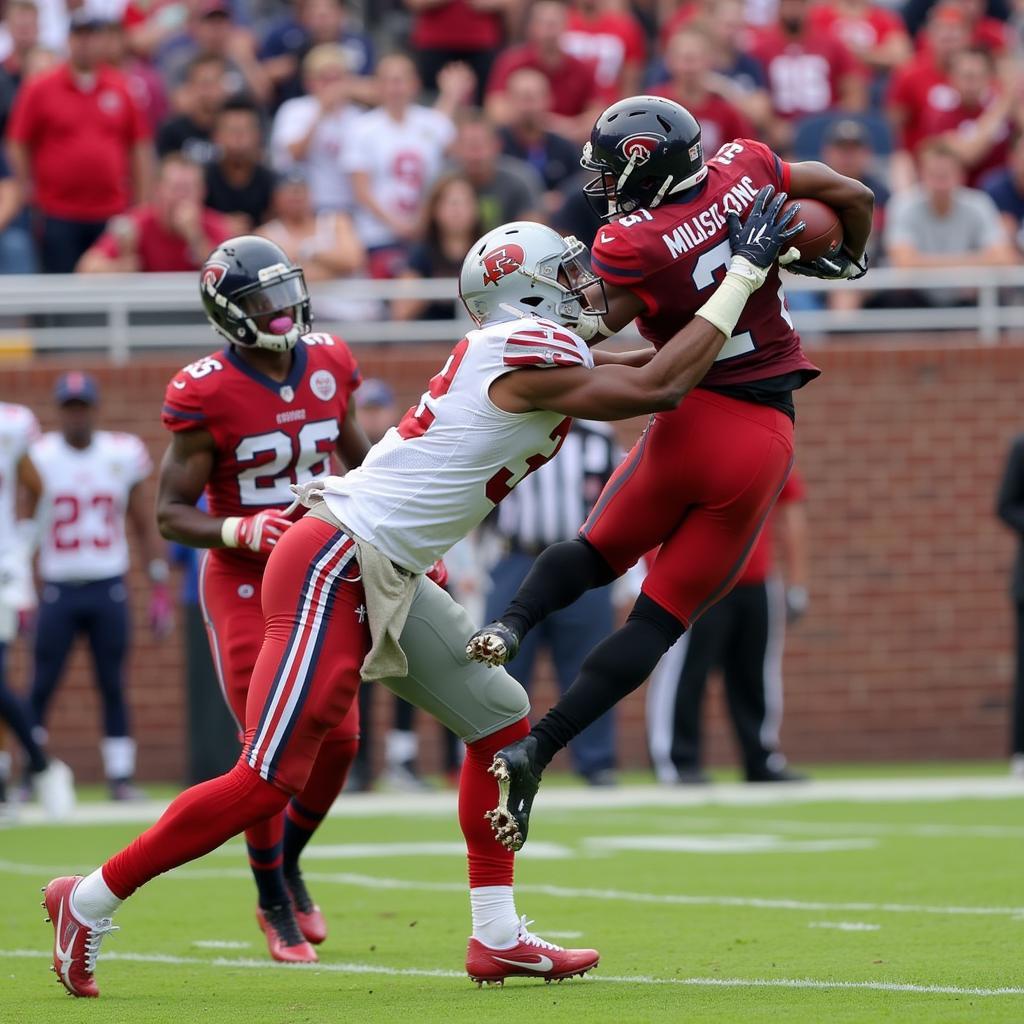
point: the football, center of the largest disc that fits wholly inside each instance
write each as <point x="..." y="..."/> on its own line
<point x="822" y="233"/>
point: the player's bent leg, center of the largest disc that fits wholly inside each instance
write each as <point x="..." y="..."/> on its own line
<point x="197" y="821"/>
<point x="487" y="708"/>
<point x="232" y="610"/>
<point x="561" y="575"/>
<point x="308" y="808"/>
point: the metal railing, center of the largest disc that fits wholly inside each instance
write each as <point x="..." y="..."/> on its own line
<point x="121" y="313"/>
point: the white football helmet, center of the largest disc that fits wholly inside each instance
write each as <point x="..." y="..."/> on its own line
<point x="525" y="268"/>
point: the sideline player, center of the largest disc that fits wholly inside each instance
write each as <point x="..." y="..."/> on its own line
<point x="704" y="476"/>
<point x="90" y="485"/>
<point x="267" y="411"/>
<point x="344" y="595"/>
<point x="50" y="778"/>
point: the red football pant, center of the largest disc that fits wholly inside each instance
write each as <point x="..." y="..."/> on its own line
<point x="303" y="684"/>
<point x="700" y="483"/>
<point x="230" y="591"/>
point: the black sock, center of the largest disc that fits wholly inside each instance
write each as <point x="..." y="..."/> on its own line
<point x="266" y="870"/>
<point x="613" y="669"/>
<point x="299" y="825"/>
<point x="561" y="574"/>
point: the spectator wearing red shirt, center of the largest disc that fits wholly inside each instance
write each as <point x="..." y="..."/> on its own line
<point x="76" y="139"/>
<point x="989" y="33"/>
<point x="924" y="81"/>
<point x="606" y="34"/>
<point x="175" y="232"/>
<point x="875" y="35"/>
<point x="808" y="72"/>
<point x="144" y="82"/>
<point x="975" y="118"/>
<point x="576" y="102"/>
<point x="471" y="31"/>
<point x="693" y="84"/>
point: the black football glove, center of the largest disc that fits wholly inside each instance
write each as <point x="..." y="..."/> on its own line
<point x="840" y="266"/>
<point x="763" y="235"/>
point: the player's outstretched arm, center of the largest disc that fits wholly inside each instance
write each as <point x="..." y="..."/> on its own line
<point x="612" y="392"/>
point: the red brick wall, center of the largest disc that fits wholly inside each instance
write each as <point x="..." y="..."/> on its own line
<point x="906" y="651"/>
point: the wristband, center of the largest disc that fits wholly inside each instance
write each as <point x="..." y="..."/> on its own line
<point x="27" y="532"/>
<point x="159" y="571"/>
<point x="229" y="531"/>
<point x="725" y="306"/>
<point x="797" y="598"/>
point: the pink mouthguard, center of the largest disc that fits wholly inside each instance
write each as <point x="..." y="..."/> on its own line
<point x="281" y="325"/>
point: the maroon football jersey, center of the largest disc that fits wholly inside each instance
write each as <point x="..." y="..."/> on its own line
<point x="268" y="434"/>
<point x="674" y="256"/>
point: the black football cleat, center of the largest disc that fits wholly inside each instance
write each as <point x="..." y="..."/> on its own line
<point x="496" y="644"/>
<point x="518" y="782"/>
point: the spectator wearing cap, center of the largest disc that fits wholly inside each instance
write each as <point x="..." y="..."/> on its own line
<point x="17" y="251"/>
<point x="198" y="100"/>
<point x="977" y="115"/>
<point x="1006" y="189"/>
<point x="507" y="189"/>
<point x="576" y="100"/>
<point x="238" y="184"/>
<point x="394" y="155"/>
<point x="90" y="489"/>
<point x="211" y="32"/>
<point x="324" y="243"/>
<point x="808" y="72"/>
<point x="526" y="136"/>
<point x="174" y="232"/>
<point x="313" y="133"/>
<point x="75" y="140"/>
<point x="693" y="84"/>
<point x="316" y="23"/>
<point x="942" y="223"/>
<point x="445" y="31"/>
<point x="453" y="224"/>
<point x="606" y="34"/>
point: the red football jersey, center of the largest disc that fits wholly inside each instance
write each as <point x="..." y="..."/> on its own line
<point x="672" y="257"/>
<point x="268" y="434"/>
<point x="804" y="75"/>
<point x="913" y="88"/>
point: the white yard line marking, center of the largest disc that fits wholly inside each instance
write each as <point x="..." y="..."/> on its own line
<point x="583" y="800"/>
<point x="846" y="926"/>
<point x="563" y="892"/>
<point x="641" y="979"/>
<point x="220" y="944"/>
<point x="722" y="844"/>
<point x="365" y="851"/>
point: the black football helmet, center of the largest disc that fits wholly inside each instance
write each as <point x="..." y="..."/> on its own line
<point x="644" y="149"/>
<point x="254" y="295"/>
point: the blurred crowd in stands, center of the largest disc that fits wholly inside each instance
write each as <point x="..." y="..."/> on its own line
<point x="380" y="138"/>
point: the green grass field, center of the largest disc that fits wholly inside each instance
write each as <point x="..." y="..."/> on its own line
<point x="849" y="908"/>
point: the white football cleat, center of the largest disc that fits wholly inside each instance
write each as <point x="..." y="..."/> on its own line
<point x="55" y="786"/>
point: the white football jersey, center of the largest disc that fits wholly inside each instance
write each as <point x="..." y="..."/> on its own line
<point x="454" y="456"/>
<point x="19" y="429"/>
<point x="85" y="496"/>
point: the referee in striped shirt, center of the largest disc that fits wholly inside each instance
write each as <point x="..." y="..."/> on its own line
<point x="547" y="507"/>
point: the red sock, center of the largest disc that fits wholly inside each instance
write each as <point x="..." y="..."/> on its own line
<point x="198" y="821"/>
<point x="307" y="809"/>
<point x="489" y="862"/>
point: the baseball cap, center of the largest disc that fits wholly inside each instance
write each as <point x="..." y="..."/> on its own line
<point x="849" y="132"/>
<point x="213" y="9"/>
<point x="84" y="20"/>
<point x="76" y="387"/>
<point x="374" y="393"/>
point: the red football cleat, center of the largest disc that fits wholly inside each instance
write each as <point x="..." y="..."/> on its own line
<point x="76" y="944"/>
<point x="308" y="915"/>
<point x="531" y="957"/>
<point x="284" y="940"/>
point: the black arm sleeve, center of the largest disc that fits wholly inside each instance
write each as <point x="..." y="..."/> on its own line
<point x="1010" y="503"/>
<point x="561" y="574"/>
